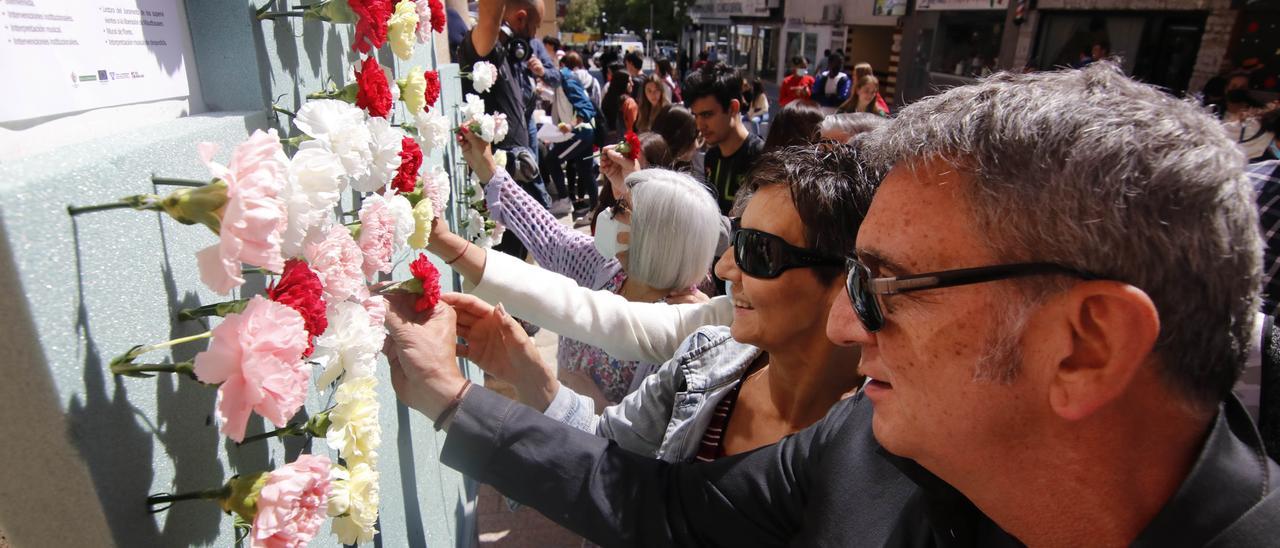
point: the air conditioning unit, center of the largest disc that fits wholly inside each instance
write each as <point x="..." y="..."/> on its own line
<point x="833" y="13"/>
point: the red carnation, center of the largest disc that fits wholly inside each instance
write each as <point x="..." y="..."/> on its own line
<point x="299" y="288"/>
<point x="630" y="146"/>
<point x="371" y="23"/>
<point x="437" y="15"/>
<point x="410" y="160"/>
<point x="433" y="87"/>
<point x="374" y="93"/>
<point x="425" y="272"/>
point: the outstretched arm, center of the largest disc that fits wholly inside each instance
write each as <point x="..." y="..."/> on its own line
<point x="648" y="332"/>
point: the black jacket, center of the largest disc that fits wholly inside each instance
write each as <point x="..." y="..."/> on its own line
<point x="828" y="485"/>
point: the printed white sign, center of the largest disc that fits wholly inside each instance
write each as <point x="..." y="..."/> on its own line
<point x="63" y="56"/>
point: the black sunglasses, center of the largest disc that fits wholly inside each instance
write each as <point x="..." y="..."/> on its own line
<point x="764" y="255"/>
<point x="863" y="288"/>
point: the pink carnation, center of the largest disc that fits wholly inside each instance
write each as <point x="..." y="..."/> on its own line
<point x="254" y="217"/>
<point x="337" y="261"/>
<point x="293" y="503"/>
<point x="377" y="235"/>
<point x="256" y="355"/>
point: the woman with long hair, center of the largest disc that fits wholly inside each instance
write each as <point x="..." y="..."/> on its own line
<point x="653" y="101"/>
<point x="864" y="98"/>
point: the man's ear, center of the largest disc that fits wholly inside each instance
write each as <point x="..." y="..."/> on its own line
<point x="1113" y="328"/>
<point x="735" y="106"/>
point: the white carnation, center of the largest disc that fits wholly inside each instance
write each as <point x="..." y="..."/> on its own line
<point x="339" y="128"/>
<point x="350" y="344"/>
<point x="384" y="150"/>
<point x="433" y="130"/>
<point x="314" y="188"/>
<point x="483" y="75"/>
<point x="402" y="211"/>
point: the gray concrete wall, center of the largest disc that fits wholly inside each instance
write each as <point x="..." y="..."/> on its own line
<point x="83" y="449"/>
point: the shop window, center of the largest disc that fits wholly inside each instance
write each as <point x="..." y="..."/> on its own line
<point x="967" y="43"/>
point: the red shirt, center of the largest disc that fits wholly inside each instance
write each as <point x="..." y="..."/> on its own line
<point x="787" y="92"/>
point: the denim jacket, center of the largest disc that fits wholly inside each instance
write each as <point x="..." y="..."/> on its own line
<point x="667" y="415"/>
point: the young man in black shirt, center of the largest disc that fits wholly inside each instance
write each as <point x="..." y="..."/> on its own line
<point x="715" y="98"/>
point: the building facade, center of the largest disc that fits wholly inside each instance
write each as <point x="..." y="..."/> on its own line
<point x="1176" y="44"/>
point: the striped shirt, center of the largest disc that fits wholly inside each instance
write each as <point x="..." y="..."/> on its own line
<point x="712" y="446"/>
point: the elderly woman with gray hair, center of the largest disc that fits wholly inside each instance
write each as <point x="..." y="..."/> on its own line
<point x="657" y="242"/>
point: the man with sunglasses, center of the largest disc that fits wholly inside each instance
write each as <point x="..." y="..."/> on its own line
<point x="1054" y="292"/>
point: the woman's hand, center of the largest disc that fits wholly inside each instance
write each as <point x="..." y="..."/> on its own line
<point x="477" y="153"/>
<point x="498" y="344"/>
<point x="421" y="350"/>
<point x="616" y="168"/>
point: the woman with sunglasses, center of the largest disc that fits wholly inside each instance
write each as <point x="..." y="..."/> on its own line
<point x="728" y="389"/>
<point x="654" y="243"/>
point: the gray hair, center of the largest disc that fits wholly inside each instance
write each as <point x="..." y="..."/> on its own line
<point x="1092" y="170"/>
<point x="851" y="124"/>
<point x="675" y="223"/>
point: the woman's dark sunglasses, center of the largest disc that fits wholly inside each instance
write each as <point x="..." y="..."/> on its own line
<point x="763" y="255"/>
<point x="863" y="288"/>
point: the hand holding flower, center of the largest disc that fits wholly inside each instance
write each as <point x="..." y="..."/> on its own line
<point x="477" y="153"/>
<point x="422" y="352"/>
<point x="498" y="344"/>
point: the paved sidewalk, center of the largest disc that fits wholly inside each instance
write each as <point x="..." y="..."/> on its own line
<point x="524" y="527"/>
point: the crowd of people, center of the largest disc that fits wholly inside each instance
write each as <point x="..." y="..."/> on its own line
<point x="1028" y="310"/>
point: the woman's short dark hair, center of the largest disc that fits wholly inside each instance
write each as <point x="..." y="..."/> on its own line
<point x="678" y="127"/>
<point x="831" y="186"/>
<point x="797" y="124"/>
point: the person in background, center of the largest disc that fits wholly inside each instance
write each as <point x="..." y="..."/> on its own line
<point x="797" y="125"/>
<point x="573" y="61"/>
<point x="864" y="97"/>
<point x="568" y="163"/>
<point x="798" y="84"/>
<point x="864" y="69"/>
<point x="824" y="63"/>
<point x="832" y="87"/>
<point x="758" y="112"/>
<point x="669" y="77"/>
<point x="502" y="35"/>
<point x="701" y="62"/>
<point x="620" y="110"/>
<point x="635" y="68"/>
<point x="652" y="102"/>
<point x="715" y="98"/>
<point x="679" y="129"/>
<point x="659" y="241"/>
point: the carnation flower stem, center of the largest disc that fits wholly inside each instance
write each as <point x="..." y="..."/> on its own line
<point x="173" y="342"/>
<point x="317" y="426"/>
<point x="218" y="493"/>
<point x="139" y="370"/>
<point x="284" y="111"/>
<point x="169" y="181"/>
<point x="74" y="210"/>
<point x="280" y="14"/>
<point x="215" y="309"/>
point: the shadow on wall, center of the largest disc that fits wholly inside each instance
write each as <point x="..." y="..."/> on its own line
<point x="113" y="437"/>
